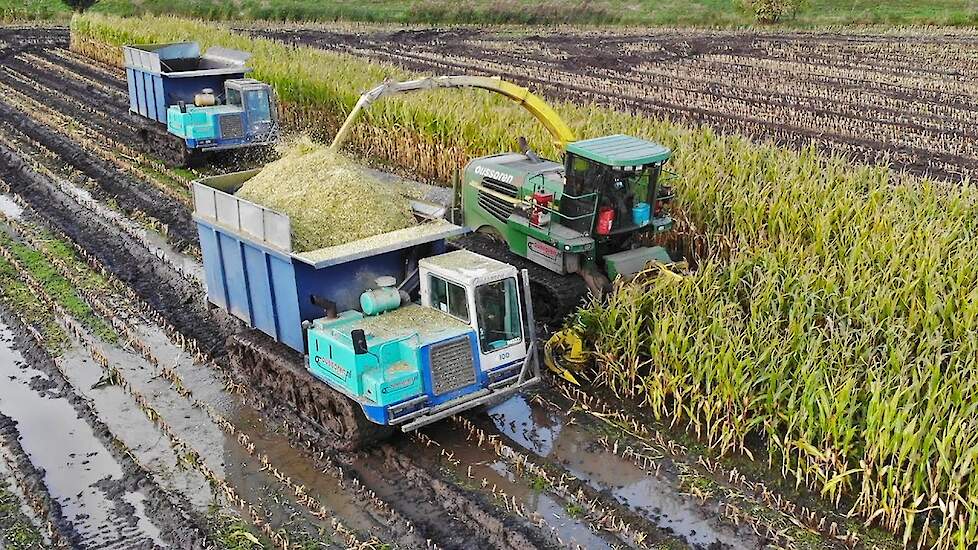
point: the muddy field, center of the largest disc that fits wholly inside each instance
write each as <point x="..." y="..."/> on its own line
<point x="122" y="425"/>
<point x="905" y="98"/>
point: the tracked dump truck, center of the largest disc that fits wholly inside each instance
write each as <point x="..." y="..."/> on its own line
<point x="186" y="105"/>
<point x="384" y="333"/>
<point x="574" y="225"/>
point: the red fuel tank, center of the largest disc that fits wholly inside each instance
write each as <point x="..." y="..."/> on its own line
<point x="606" y="218"/>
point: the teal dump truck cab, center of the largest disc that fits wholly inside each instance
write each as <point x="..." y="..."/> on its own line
<point x="187" y="104"/>
<point x="413" y="363"/>
<point x="247" y="115"/>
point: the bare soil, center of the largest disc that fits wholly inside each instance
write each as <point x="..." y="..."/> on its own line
<point x="898" y="97"/>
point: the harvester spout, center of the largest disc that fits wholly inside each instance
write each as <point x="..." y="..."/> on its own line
<point x="559" y="131"/>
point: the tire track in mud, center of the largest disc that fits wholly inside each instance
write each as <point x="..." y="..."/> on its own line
<point x="172" y="515"/>
<point x="135" y="341"/>
<point x="16" y="38"/>
<point x="127" y="191"/>
<point x="111" y="371"/>
<point x="122" y="158"/>
<point x="59" y="63"/>
<point x="52" y="99"/>
<point x="30" y="483"/>
<point x="80" y="336"/>
<point x="651" y="450"/>
<point x="110" y="76"/>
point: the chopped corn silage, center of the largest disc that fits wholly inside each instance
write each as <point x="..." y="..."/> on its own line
<point x="329" y="199"/>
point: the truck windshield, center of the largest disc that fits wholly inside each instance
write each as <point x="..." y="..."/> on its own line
<point x="498" y="313"/>
<point x="256" y="103"/>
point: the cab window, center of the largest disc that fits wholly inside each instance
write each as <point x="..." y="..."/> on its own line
<point x="449" y="297"/>
<point x="498" y="313"/>
<point x="234" y="97"/>
<point x="257" y="106"/>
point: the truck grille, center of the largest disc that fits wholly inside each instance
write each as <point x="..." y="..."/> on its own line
<point x="231" y="126"/>
<point x="451" y="365"/>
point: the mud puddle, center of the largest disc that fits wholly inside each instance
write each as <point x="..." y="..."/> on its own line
<point x="220" y="451"/>
<point x="7" y="481"/>
<point x="208" y="387"/>
<point x="129" y="425"/>
<point x="9" y="208"/>
<point x="478" y="464"/>
<point x="78" y="469"/>
<point x="323" y="487"/>
<point x="545" y="432"/>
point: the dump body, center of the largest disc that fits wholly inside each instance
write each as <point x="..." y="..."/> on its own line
<point x="251" y="270"/>
<point x="160" y="75"/>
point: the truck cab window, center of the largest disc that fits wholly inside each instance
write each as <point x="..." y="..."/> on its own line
<point x="233" y="97"/>
<point x="256" y="103"/>
<point x="498" y="314"/>
<point x="450" y="298"/>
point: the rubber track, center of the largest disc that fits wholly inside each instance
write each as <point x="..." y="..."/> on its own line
<point x="275" y="369"/>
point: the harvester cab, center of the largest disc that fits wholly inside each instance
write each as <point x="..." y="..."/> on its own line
<point x="583" y="216"/>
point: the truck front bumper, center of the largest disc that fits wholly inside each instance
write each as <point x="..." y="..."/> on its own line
<point x="528" y="376"/>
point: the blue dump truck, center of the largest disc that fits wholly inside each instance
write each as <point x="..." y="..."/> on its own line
<point x="384" y="333"/>
<point x="185" y="104"/>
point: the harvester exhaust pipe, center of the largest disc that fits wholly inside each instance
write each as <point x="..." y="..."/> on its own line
<point x="525" y="149"/>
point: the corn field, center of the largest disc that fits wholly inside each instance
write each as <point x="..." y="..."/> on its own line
<point x="833" y="310"/>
